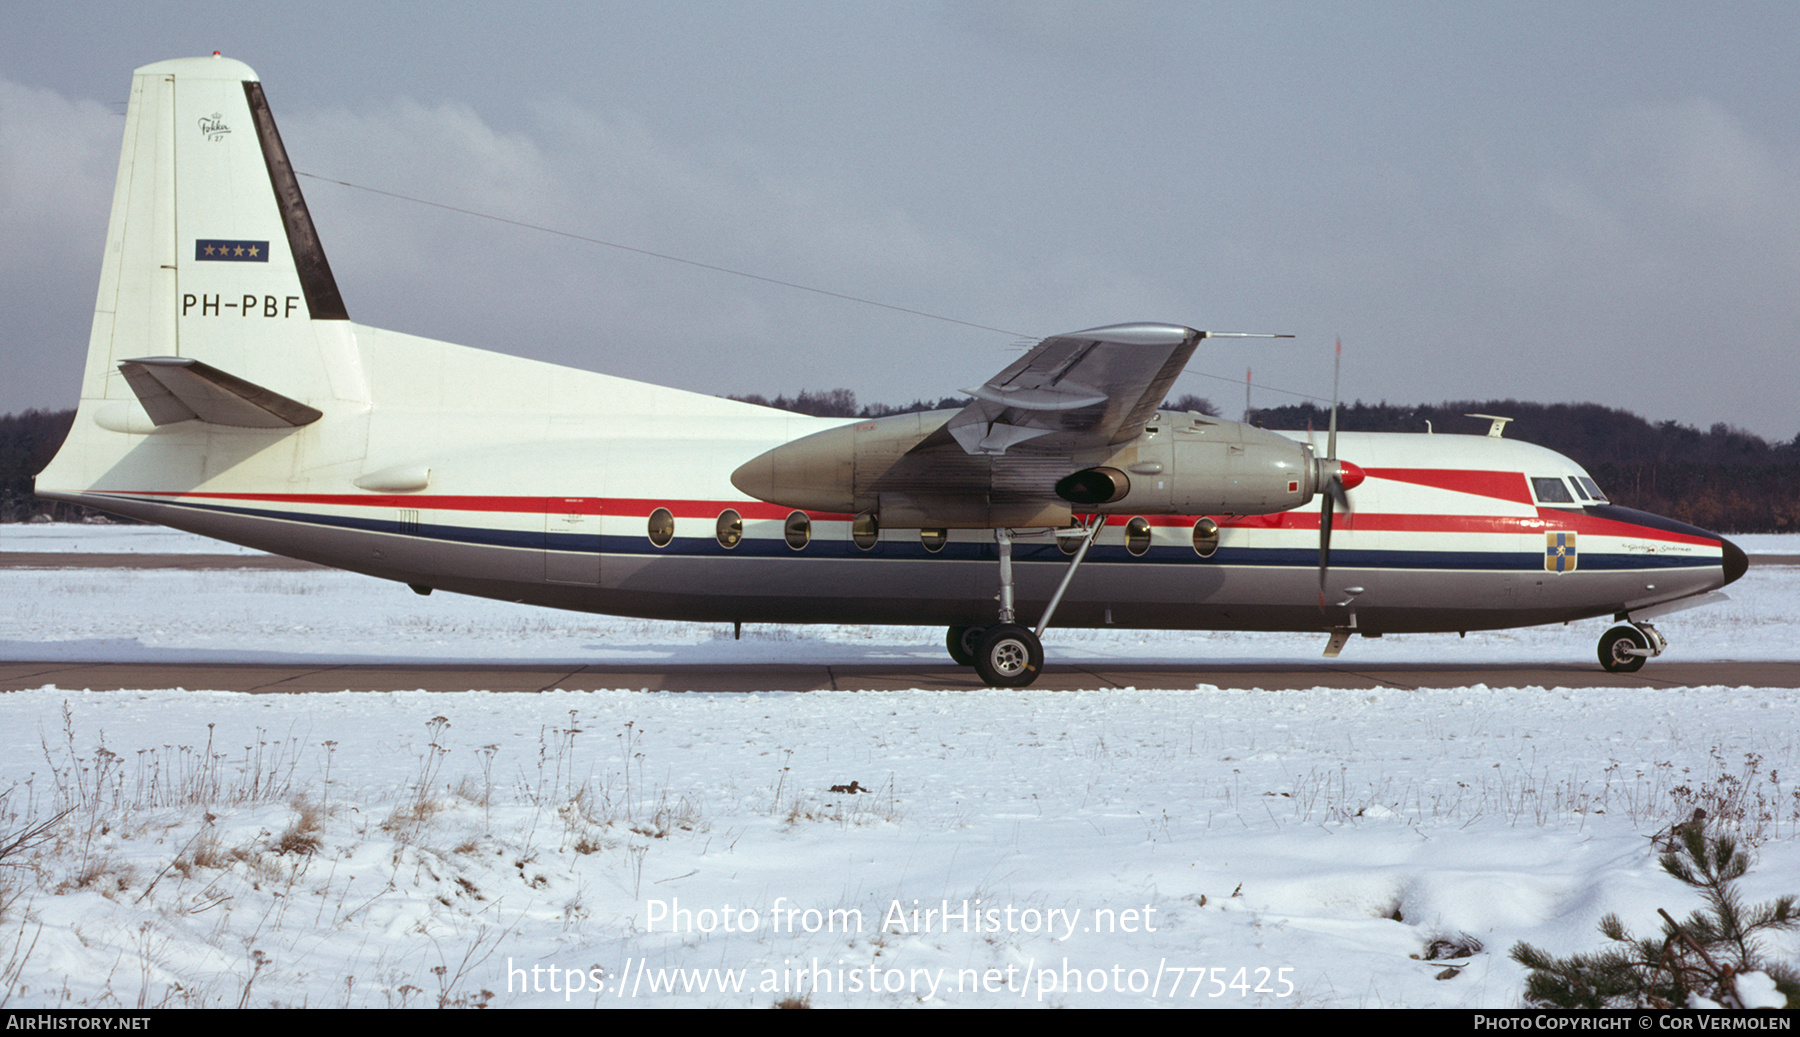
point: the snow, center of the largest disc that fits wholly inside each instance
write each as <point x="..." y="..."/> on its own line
<point x="1303" y="848"/>
<point x="1757" y="990"/>
<point x="109" y="538"/>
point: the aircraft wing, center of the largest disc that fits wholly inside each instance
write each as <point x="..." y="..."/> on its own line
<point x="1085" y="389"/>
<point x="1070" y="402"/>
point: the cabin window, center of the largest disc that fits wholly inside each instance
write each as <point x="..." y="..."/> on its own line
<point x="730" y="529"/>
<point x="1551" y="491"/>
<point x="797" y="530"/>
<point x="1137" y="535"/>
<point x="1069" y="545"/>
<point x="662" y="527"/>
<point x="866" y="530"/>
<point x="934" y="539"/>
<point x="1206" y="537"/>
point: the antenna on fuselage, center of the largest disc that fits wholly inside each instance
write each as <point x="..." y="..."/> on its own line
<point x="1497" y="428"/>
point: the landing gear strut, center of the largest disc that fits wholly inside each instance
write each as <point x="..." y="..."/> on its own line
<point x="1007" y="654"/>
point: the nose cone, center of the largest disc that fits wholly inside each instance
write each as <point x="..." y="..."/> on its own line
<point x="1735" y="562"/>
<point x="1350" y="474"/>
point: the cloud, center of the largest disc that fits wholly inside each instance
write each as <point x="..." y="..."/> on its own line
<point x="58" y="158"/>
<point x="57" y="162"/>
<point x="1700" y="161"/>
<point x="605" y="175"/>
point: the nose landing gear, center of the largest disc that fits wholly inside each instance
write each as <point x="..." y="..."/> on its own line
<point x="1623" y="649"/>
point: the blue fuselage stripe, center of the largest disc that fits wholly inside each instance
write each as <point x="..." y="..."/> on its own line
<point x="912" y="550"/>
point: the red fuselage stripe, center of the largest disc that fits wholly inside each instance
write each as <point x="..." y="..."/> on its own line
<point x="1506" y="486"/>
<point x="1304" y="518"/>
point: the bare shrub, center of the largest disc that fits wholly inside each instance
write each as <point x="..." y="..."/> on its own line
<point x="302" y="835"/>
<point x="106" y="875"/>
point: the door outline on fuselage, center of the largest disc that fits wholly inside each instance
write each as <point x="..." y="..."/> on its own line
<point x="572" y="540"/>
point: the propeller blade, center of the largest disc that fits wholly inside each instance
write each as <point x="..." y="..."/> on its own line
<point x="1336" y="366"/>
<point x="1336" y="491"/>
<point x="1335" y="480"/>
<point x="1324" y="548"/>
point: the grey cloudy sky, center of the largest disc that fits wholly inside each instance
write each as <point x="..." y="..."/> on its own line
<point x="1547" y="201"/>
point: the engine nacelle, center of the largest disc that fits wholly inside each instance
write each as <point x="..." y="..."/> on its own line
<point x="1193" y="465"/>
<point x="907" y="470"/>
<point x="912" y="474"/>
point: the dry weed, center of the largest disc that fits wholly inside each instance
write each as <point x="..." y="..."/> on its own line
<point x="302" y="835"/>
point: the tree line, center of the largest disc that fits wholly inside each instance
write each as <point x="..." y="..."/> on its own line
<point x="27" y="443"/>
<point x="1724" y="478"/>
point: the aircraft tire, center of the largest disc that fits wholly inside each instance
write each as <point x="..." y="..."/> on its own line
<point x="1009" y="656"/>
<point x="962" y="642"/>
<point x="1614" y="657"/>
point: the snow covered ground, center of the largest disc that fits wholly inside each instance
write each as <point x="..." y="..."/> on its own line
<point x="108" y="538"/>
<point x="1091" y="848"/>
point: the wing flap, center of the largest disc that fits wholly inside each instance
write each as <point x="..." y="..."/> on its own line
<point x="1086" y="389"/>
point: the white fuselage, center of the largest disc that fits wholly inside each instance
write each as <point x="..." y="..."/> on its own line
<point x="544" y="492"/>
<point x="227" y="392"/>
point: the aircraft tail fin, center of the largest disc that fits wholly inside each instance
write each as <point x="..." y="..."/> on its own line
<point x="211" y="255"/>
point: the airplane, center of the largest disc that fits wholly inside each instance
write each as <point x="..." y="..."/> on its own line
<point x="227" y="393"/>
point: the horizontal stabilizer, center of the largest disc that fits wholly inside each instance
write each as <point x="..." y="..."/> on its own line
<point x="173" y="389"/>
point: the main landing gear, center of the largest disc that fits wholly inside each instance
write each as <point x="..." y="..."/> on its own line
<point x="962" y="642"/>
<point x="1007" y="654"/>
<point x="1623" y="649"/>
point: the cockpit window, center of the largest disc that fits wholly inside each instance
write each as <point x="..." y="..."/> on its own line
<point x="1592" y="488"/>
<point x="1580" y="493"/>
<point x="1551" y="491"/>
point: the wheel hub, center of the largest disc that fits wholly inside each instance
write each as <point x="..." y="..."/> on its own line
<point x="1009" y="658"/>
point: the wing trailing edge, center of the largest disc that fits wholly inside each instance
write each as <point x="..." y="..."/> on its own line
<point x="1082" y="390"/>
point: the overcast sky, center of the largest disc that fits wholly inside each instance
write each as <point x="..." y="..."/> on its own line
<point x="1553" y="202"/>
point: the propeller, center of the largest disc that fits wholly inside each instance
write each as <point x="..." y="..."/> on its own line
<point x="1336" y="479"/>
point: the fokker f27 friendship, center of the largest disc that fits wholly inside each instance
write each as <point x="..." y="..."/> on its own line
<point x="228" y="393"/>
